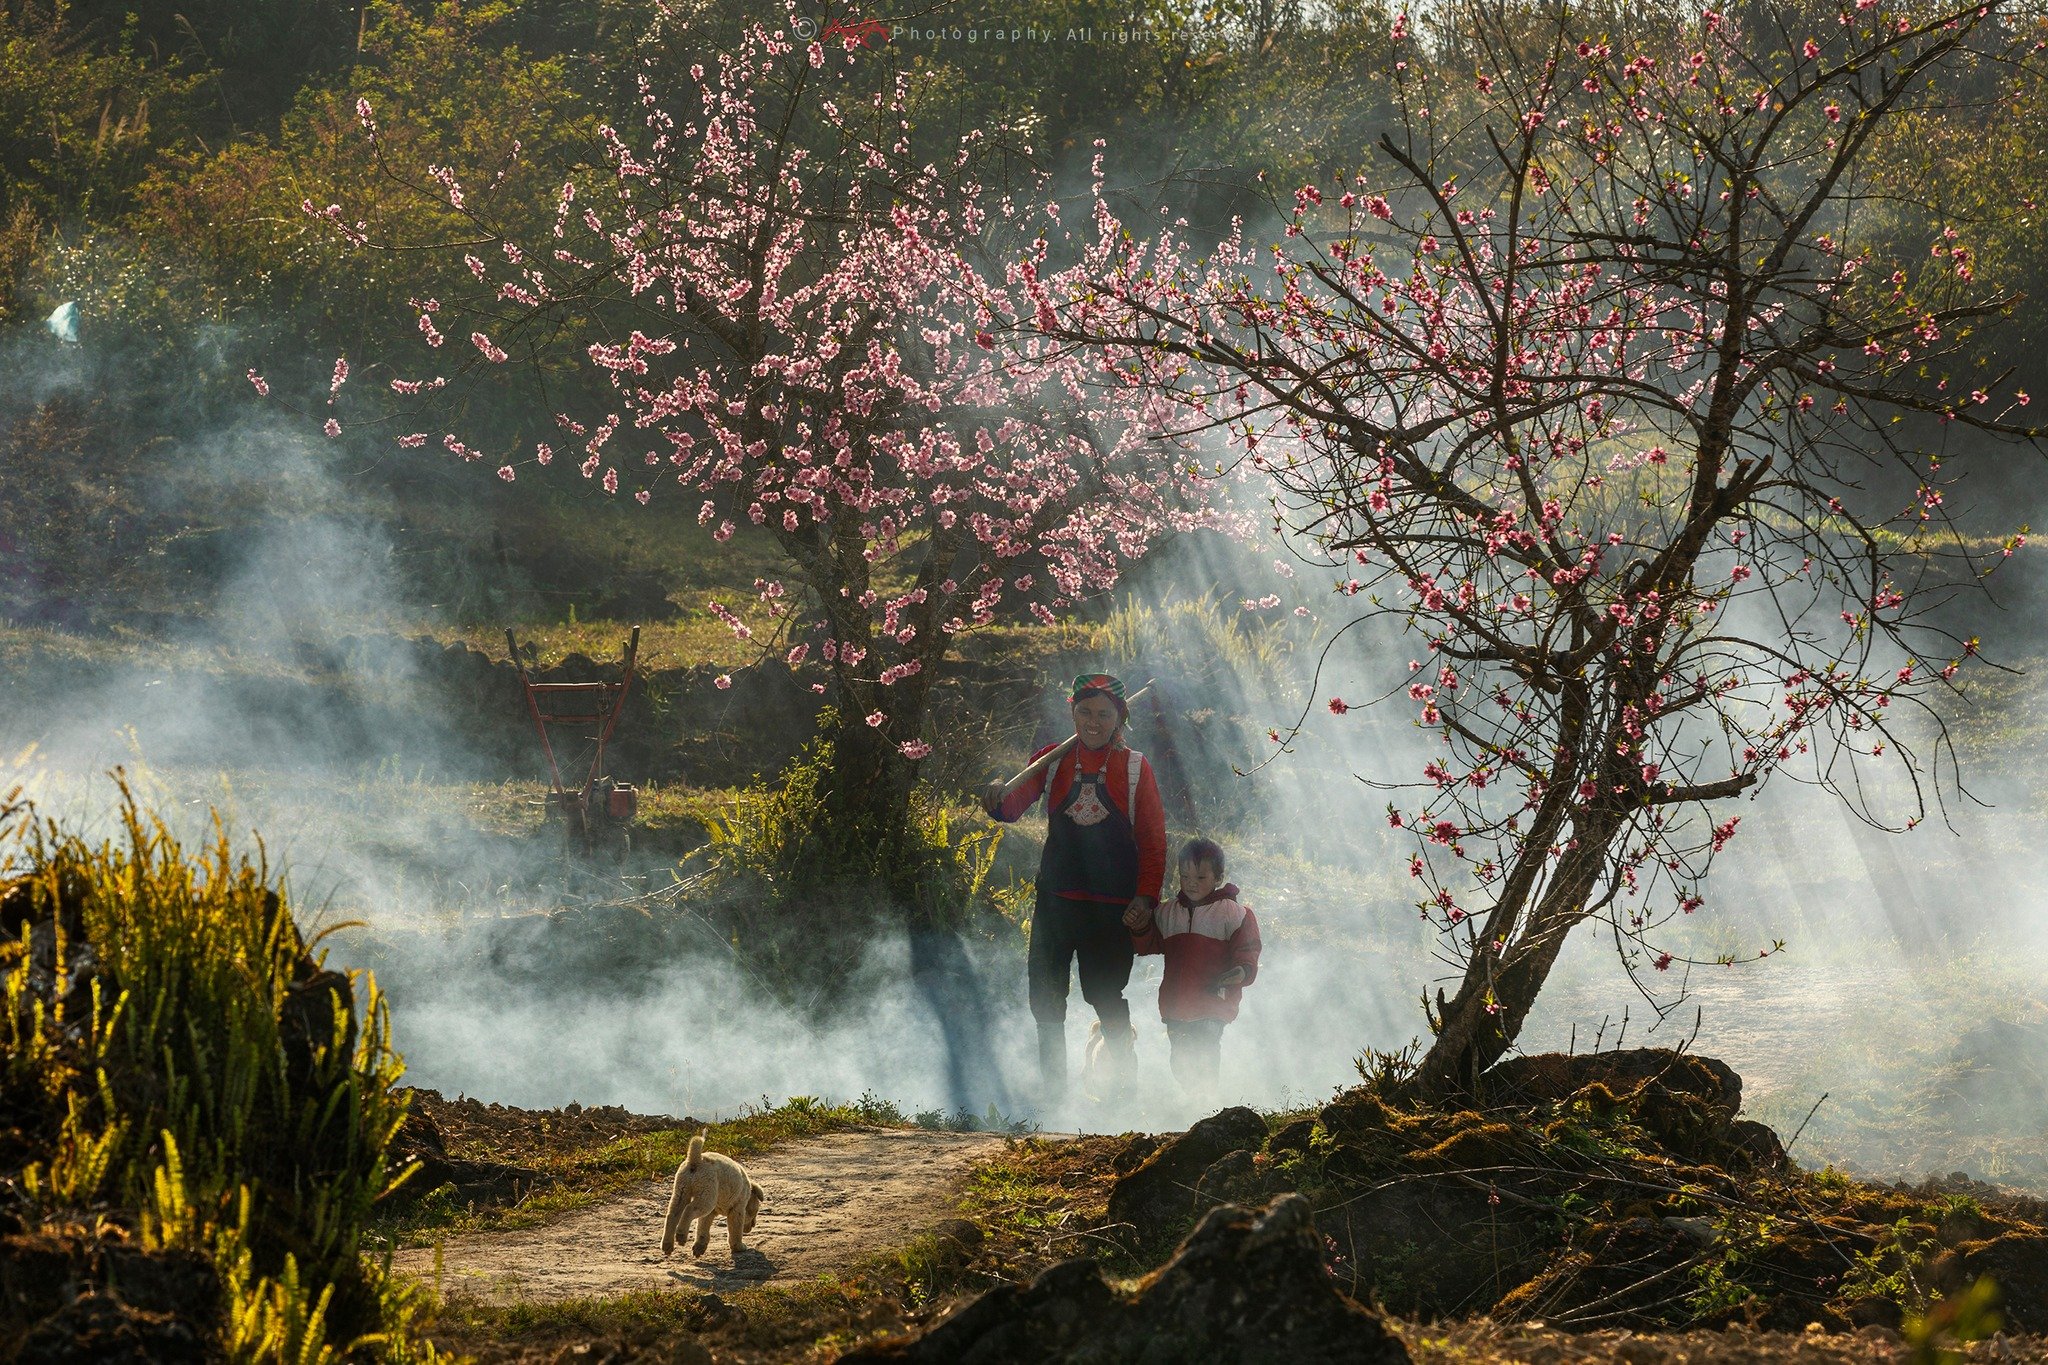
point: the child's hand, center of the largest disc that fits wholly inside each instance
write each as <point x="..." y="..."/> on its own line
<point x="1233" y="977"/>
<point x="1138" y="914"/>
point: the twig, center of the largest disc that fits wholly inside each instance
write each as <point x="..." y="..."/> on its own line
<point x="1582" y="1312"/>
<point x="1808" y="1119"/>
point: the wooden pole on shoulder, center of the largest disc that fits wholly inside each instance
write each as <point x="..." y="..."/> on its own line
<point x="1055" y="754"/>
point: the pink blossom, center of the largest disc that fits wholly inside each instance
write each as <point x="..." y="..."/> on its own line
<point x="722" y="681"/>
<point x="261" y="386"/>
<point x="915" y="749"/>
<point x="331" y="427"/>
<point x="875" y="719"/>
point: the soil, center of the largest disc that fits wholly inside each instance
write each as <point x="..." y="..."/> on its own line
<point x="831" y="1202"/>
<point x="1243" y="1286"/>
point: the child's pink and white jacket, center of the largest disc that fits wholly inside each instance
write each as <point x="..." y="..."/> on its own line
<point x="1200" y="943"/>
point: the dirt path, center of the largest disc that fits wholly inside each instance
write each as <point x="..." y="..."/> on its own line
<point x="831" y="1200"/>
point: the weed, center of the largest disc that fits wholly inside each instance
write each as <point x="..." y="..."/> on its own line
<point x="872" y="1108"/>
<point x="1383" y="1072"/>
<point x="208" y="1083"/>
<point x="1718" y="1284"/>
<point x="1302" y="1170"/>
<point x="1890" y="1270"/>
<point x="1831" y="1182"/>
<point x="1954" y="1205"/>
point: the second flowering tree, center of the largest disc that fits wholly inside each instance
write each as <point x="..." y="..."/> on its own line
<point x="1589" y="383"/>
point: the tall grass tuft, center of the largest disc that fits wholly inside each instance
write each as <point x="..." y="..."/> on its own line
<point x="179" y="1061"/>
<point x="777" y="834"/>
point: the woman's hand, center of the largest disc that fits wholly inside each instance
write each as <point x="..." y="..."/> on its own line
<point x="1138" y="914"/>
<point x="992" y="800"/>
<point x="1233" y="977"/>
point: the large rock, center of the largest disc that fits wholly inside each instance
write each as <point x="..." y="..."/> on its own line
<point x="1244" y="1288"/>
<point x="1159" y="1196"/>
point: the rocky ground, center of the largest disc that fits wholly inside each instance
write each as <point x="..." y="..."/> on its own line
<point x="1608" y="1208"/>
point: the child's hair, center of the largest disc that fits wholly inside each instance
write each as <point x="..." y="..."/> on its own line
<point x="1203" y="852"/>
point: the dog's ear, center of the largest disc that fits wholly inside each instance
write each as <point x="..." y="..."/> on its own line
<point x="759" y="1195"/>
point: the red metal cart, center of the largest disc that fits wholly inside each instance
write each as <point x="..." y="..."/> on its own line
<point x="594" y="817"/>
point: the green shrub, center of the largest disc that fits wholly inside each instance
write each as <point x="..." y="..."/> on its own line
<point x="180" y="1063"/>
<point x="779" y="835"/>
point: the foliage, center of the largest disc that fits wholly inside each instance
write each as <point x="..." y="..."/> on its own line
<point x="83" y="122"/>
<point x="1202" y="644"/>
<point x="1718" y="1281"/>
<point x="245" y="224"/>
<point x="1584" y="384"/>
<point x="193" y="1073"/>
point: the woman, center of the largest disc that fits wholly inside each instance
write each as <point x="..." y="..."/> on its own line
<point x="1099" y="878"/>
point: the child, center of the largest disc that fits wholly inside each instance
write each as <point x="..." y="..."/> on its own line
<point x="1211" y="944"/>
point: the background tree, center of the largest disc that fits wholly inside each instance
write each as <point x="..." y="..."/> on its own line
<point x="1585" y="383"/>
<point x="794" y="334"/>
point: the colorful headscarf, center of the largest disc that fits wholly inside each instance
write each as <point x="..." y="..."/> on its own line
<point x="1103" y="685"/>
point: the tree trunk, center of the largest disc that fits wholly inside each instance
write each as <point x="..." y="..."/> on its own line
<point x="1476" y="1028"/>
<point x="866" y="792"/>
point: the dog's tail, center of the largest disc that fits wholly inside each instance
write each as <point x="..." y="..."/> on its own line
<point x="696" y="1157"/>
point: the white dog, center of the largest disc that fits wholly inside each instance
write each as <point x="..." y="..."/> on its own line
<point x="708" y="1185"/>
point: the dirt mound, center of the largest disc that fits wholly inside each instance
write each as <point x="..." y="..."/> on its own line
<point x="1160" y="1180"/>
<point x="1616" y="1190"/>
<point x="71" y="1293"/>
<point x="1243" y="1287"/>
